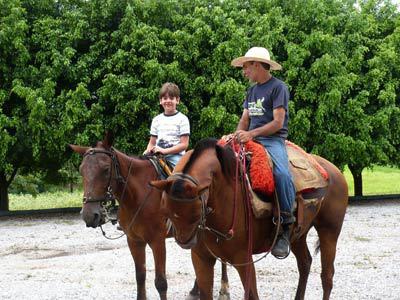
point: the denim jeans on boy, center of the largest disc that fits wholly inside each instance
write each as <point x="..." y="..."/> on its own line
<point x="284" y="185"/>
<point x="173" y="158"/>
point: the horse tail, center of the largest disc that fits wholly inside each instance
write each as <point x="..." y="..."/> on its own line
<point x="317" y="246"/>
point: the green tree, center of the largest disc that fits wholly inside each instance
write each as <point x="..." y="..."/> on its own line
<point x="349" y="87"/>
<point x="42" y="103"/>
<point x="72" y="68"/>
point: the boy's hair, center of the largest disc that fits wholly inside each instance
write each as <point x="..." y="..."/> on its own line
<point x="170" y="89"/>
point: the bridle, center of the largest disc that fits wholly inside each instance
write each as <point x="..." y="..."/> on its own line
<point x="107" y="202"/>
<point x="240" y="170"/>
<point x="205" y="210"/>
<point x="109" y="196"/>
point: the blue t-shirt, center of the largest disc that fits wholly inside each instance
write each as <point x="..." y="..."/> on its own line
<point x="262" y="99"/>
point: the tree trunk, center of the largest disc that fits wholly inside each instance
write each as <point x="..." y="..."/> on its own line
<point x="3" y="193"/>
<point x="357" y="177"/>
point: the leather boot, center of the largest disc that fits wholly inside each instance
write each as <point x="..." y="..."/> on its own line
<point x="281" y="248"/>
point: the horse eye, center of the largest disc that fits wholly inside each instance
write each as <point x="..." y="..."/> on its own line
<point x="176" y="216"/>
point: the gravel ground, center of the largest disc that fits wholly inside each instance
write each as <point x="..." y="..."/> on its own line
<point x="57" y="257"/>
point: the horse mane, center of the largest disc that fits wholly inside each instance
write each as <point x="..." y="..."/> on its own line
<point x="225" y="155"/>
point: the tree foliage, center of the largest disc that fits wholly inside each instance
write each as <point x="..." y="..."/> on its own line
<point x="72" y="68"/>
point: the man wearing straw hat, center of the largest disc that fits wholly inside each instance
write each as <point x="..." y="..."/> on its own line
<point x="265" y="119"/>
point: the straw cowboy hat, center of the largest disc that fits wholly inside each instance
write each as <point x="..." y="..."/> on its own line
<point x="256" y="54"/>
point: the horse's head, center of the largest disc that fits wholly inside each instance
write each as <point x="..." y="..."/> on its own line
<point x="182" y="201"/>
<point x="187" y="192"/>
<point x="99" y="170"/>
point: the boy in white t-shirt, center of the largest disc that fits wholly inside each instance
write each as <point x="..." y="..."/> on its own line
<point x="169" y="132"/>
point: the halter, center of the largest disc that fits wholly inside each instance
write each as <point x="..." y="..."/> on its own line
<point x="109" y="196"/>
<point x="205" y="210"/>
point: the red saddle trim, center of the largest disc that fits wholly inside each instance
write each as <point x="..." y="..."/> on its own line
<point x="261" y="176"/>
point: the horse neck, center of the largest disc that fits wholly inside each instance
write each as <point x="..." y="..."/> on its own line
<point x="137" y="174"/>
<point x="224" y="194"/>
<point x="203" y="168"/>
<point x="226" y="199"/>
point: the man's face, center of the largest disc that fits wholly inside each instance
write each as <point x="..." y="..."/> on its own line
<point x="250" y="70"/>
<point x="169" y="104"/>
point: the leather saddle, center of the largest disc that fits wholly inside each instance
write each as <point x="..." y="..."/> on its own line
<point x="309" y="177"/>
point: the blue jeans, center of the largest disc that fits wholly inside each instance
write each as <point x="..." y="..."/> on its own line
<point x="173" y="158"/>
<point x="284" y="185"/>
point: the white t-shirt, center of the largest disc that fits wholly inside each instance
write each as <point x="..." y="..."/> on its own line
<point x="169" y="129"/>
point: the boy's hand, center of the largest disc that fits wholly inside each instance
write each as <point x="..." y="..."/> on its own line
<point x="157" y="149"/>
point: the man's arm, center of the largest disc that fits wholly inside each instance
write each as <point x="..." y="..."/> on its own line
<point x="266" y="130"/>
<point x="244" y="120"/>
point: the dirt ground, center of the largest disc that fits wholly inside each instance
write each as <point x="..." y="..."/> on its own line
<point x="57" y="257"/>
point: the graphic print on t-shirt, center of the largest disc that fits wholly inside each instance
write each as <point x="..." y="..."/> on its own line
<point x="256" y="108"/>
<point x="164" y="144"/>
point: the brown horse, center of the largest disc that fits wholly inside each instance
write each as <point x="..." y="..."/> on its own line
<point x="204" y="201"/>
<point x="109" y="175"/>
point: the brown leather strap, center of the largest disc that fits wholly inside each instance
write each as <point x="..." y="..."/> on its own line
<point x="300" y="211"/>
<point x="165" y="167"/>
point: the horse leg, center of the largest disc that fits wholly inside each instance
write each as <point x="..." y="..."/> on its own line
<point x="158" y="248"/>
<point x="304" y="259"/>
<point x="194" y="294"/>
<point x="328" y="241"/>
<point x="249" y="276"/>
<point x="204" y="269"/>
<point x="138" y="252"/>
<point x="224" y="291"/>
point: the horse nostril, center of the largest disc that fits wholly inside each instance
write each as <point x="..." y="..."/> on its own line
<point x="96" y="219"/>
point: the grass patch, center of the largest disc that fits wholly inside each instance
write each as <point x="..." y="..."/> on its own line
<point x="378" y="181"/>
<point x="59" y="199"/>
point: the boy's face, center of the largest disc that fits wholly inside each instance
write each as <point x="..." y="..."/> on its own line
<point x="169" y="104"/>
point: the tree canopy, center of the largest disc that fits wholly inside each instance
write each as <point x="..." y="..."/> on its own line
<point x="72" y="68"/>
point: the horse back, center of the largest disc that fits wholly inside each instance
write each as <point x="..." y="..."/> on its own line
<point x="333" y="207"/>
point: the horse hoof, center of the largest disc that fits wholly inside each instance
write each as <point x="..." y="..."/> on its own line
<point x="192" y="297"/>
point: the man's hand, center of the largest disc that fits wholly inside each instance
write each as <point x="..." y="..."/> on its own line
<point x="227" y="137"/>
<point x="243" y="136"/>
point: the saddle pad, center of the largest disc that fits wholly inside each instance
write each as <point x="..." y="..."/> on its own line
<point x="261" y="177"/>
<point x="307" y="173"/>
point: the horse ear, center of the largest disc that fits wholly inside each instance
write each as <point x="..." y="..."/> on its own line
<point x="108" y="139"/>
<point x="161" y="185"/>
<point x="78" y="149"/>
